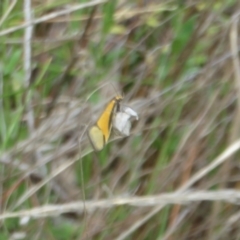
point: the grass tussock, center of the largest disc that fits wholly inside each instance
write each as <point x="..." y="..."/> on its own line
<point x="176" y="176"/>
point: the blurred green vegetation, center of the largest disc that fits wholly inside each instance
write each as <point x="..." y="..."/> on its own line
<point x="173" y="62"/>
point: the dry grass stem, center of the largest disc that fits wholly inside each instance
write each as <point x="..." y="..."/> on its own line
<point x="230" y="196"/>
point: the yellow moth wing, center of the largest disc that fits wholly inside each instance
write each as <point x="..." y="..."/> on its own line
<point x="100" y="132"/>
<point x="96" y="137"/>
<point x="105" y="120"/>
